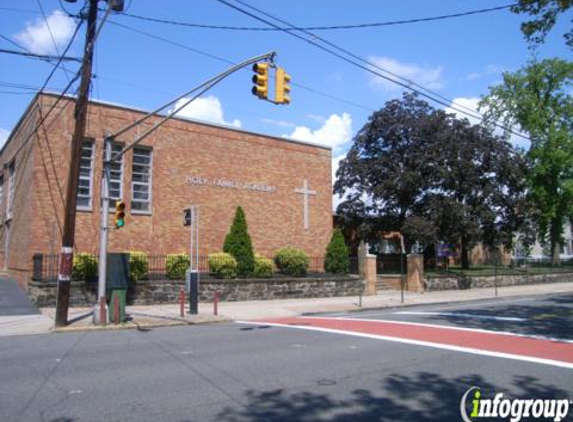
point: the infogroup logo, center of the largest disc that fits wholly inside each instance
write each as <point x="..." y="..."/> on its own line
<point x="513" y="409"/>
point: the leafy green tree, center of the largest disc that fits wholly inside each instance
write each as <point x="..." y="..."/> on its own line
<point x="238" y="244"/>
<point x="337" y="260"/>
<point x="545" y="14"/>
<point x="538" y="99"/>
<point x="433" y="177"/>
<point x="386" y="171"/>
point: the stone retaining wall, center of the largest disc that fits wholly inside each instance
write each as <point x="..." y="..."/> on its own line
<point x="148" y="292"/>
<point x="461" y="283"/>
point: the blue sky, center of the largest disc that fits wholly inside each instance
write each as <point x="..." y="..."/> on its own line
<point x="457" y="58"/>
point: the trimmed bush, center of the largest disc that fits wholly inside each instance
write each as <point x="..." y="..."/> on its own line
<point x="336" y="260"/>
<point x="223" y="265"/>
<point x="138" y="265"/>
<point x="292" y="261"/>
<point x="238" y="243"/>
<point x="176" y="265"/>
<point x="85" y="267"/>
<point x="263" y="267"/>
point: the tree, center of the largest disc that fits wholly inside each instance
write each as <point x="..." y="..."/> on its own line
<point x="386" y="171"/>
<point x="336" y="260"/>
<point x="537" y="99"/>
<point x="432" y="176"/>
<point x="238" y="244"/>
<point x="545" y="13"/>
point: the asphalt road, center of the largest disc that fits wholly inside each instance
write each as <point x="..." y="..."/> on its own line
<point x="261" y="372"/>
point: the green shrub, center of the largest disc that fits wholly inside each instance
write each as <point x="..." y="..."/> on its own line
<point x="292" y="261"/>
<point x="85" y="267"/>
<point x="238" y="243"/>
<point x="176" y="265"/>
<point x="263" y="267"/>
<point x="138" y="265"/>
<point x="223" y="265"/>
<point x="336" y="260"/>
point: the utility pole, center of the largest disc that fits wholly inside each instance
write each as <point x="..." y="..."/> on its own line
<point x="80" y="114"/>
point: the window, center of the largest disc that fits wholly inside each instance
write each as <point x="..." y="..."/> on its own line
<point x="85" y="186"/>
<point x="116" y="174"/>
<point x="1" y="196"/>
<point x="141" y="180"/>
<point x="11" y="189"/>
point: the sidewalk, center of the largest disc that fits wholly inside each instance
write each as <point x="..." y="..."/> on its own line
<point x="168" y="315"/>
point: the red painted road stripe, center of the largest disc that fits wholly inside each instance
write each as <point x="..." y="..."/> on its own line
<point x="490" y="342"/>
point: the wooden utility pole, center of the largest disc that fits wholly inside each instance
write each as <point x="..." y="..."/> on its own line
<point x="80" y="114"/>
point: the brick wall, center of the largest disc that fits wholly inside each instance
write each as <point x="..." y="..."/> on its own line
<point x="181" y="149"/>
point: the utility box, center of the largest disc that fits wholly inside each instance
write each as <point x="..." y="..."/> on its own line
<point x="193" y="289"/>
<point x="117" y="283"/>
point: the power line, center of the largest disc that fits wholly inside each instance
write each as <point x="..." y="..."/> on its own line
<point x="40" y="56"/>
<point x="52" y="36"/>
<point x="320" y="28"/>
<point x="368" y="67"/>
<point x="227" y="61"/>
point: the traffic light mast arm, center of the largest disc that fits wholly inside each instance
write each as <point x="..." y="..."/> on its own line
<point x="200" y="90"/>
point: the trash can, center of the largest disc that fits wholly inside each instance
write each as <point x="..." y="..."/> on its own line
<point x="117" y="282"/>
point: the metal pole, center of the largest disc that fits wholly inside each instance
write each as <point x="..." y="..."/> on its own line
<point x="204" y="87"/>
<point x="402" y="246"/>
<point x="103" y="234"/>
<point x="495" y="273"/>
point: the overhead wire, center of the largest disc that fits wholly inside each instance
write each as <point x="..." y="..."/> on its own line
<point x="320" y="28"/>
<point x="368" y="68"/>
<point x="56" y="48"/>
<point x="227" y="61"/>
<point x="39" y="56"/>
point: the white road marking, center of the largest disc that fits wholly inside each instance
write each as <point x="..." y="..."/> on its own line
<point x="420" y="343"/>
<point x="449" y="327"/>
<point x="461" y="315"/>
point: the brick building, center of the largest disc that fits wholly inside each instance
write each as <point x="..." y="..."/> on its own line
<point x="183" y="163"/>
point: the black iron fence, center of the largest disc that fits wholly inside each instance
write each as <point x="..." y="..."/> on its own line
<point x="391" y="264"/>
<point x="174" y="266"/>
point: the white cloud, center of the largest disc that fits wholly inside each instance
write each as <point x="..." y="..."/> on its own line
<point x="335" y="132"/>
<point x="207" y="109"/>
<point x="490" y="69"/>
<point x="426" y="76"/>
<point x="472" y="103"/>
<point x="3" y="136"/>
<point x="36" y="35"/>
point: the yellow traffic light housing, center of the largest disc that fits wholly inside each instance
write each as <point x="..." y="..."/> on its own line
<point x="282" y="87"/>
<point x="261" y="80"/>
<point x="119" y="214"/>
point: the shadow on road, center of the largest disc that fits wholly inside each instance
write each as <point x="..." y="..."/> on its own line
<point x="424" y="397"/>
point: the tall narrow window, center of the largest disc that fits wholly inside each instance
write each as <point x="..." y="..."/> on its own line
<point x="1" y="199"/>
<point x="85" y="187"/>
<point x="141" y="179"/>
<point x="11" y="189"/>
<point x="116" y="174"/>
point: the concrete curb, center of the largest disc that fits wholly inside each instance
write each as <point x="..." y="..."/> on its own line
<point x="143" y="326"/>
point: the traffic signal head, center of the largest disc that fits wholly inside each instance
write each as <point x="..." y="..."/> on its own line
<point x="119" y="214"/>
<point x="282" y="87"/>
<point x="261" y="80"/>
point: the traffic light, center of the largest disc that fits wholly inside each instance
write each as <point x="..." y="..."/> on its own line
<point x="261" y="80"/>
<point x="282" y="87"/>
<point x="119" y="214"/>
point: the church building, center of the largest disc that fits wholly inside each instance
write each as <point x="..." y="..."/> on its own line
<point x="283" y="185"/>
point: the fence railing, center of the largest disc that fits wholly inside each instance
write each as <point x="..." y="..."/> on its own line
<point x="158" y="266"/>
<point x="390" y="264"/>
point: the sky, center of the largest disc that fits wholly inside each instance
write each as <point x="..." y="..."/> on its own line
<point x="144" y="64"/>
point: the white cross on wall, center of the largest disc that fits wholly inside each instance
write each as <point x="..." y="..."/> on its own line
<point x="306" y="193"/>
